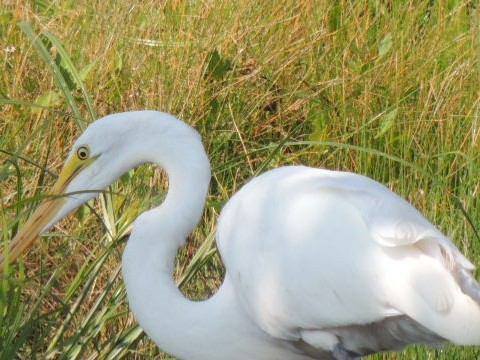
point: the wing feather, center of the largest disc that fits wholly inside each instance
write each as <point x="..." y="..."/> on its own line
<point x="319" y="249"/>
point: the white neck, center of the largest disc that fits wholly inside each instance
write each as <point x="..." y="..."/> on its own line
<point x="148" y="261"/>
<point x="214" y="329"/>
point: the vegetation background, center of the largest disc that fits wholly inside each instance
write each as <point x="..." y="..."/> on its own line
<point x="389" y="89"/>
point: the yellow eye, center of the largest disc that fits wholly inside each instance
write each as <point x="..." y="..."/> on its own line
<point x="83" y="152"/>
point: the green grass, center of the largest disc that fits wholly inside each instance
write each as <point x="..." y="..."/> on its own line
<point x="389" y="89"/>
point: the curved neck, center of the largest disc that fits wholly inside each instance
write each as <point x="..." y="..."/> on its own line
<point x="148" y="260"/>
<point x="189" y="330"/>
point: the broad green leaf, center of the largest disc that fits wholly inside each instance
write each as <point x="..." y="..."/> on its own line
<point x="385" y="45"/>
<point x="217" y="66"/>
<point x="49" y="99"/>
<point x="386" y="122"/>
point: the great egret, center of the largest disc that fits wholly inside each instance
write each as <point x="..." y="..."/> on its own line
<point x="320" y="264"/>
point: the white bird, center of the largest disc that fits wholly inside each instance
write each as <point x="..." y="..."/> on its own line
<point x="319" y="264"/>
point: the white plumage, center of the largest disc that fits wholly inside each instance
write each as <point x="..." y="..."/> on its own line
<point x="319" y="264"/>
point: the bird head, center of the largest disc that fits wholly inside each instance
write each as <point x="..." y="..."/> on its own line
<point x="71" y="189"/>
<point x="98" y="157"/>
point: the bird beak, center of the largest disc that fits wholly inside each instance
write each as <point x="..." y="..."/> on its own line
<point x="41" y="220"/>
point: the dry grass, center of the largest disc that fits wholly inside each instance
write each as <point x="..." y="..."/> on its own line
<point x="388" y="89"/>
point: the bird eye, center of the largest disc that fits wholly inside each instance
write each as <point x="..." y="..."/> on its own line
<point x="83" y="152"/>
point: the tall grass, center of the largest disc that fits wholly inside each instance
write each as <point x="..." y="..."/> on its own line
<point x="389" y="89"/>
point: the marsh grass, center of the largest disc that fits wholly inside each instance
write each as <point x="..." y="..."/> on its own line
<point x="389" y="89"/>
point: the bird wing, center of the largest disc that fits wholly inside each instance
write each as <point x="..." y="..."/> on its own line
<point x="309" y="250"/>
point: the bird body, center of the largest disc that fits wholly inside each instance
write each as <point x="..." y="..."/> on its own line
<point x="371" y="258"/>
<point x="319" y="264"/>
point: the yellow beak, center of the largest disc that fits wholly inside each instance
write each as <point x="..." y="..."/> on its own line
<point x="44" y="214"/>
